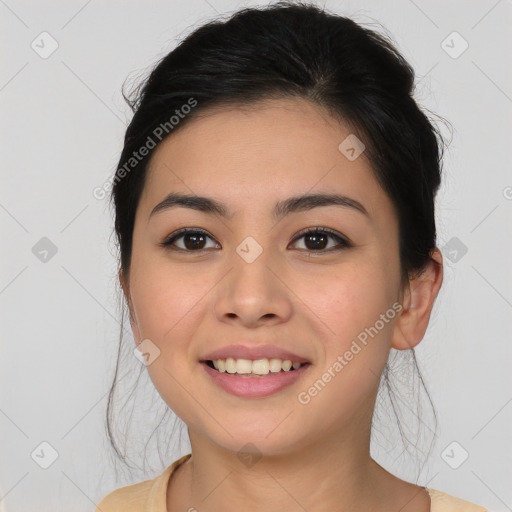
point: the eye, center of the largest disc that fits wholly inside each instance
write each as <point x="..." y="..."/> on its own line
<point x="193" y="240"/>
<point x="316" y="240"/>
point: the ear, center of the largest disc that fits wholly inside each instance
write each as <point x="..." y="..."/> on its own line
<point x="126" y="291"/>
<point x="417" y="303"/>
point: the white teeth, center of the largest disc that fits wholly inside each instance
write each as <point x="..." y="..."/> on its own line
<point x="275" y="365"/>
<point x="230" y="365"/>
<point x="257" y="367"/>
<point x="243" y="366"/>
<point x="260" y="367"/>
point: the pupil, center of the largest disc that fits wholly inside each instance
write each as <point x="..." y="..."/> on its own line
<point x="194" y="238"/>
<point x="316" y="237"/>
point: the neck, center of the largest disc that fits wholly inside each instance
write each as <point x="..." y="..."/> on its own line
<point x="334" y="474"/>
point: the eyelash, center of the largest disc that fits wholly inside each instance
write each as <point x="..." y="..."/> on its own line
<point x="343" y="243"/>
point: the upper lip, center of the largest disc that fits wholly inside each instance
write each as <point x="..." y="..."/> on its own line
<point x="253" y="353"/>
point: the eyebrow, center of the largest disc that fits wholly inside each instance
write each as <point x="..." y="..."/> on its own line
<point x="281" y="209"/>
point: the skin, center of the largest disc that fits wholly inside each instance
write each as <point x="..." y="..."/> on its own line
<point x="316" y="456"/>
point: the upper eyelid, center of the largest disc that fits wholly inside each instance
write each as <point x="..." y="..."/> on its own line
<point x="328" y="231"/>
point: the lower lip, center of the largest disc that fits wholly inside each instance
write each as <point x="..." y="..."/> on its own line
<point x="255" y="387"/>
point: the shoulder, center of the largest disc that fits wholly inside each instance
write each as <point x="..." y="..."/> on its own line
<point x="442" y="502"/>
<point x="147" y="495"/>
<point x="131" y="498"/>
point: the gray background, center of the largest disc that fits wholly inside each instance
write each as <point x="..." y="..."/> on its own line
<point x="63" y="121"/>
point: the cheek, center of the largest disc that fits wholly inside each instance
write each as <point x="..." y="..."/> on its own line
<point x="164" y="300"/>
<point x="352" y="299"/>
<point x="356" y="348"/>
<point x="169" y="306"/>
<point x="357" y="307"/>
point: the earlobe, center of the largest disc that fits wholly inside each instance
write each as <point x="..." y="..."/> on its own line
<point x="418" y="301"/>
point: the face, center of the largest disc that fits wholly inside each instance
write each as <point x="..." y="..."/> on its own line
<point x="255" y="279"/>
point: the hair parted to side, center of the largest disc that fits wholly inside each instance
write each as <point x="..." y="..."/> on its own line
<point x="287" y="50"/>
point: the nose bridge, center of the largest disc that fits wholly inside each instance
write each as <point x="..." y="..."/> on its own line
<point x="251" y="262"/>
<point x="251" y="291"/>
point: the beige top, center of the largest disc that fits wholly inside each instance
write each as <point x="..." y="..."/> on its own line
<point x="151" y="495"/>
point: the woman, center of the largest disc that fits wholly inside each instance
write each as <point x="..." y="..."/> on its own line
<point x="274" y="207"/>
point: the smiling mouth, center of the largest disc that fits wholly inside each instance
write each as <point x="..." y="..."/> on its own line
<point x="259" y="368"/>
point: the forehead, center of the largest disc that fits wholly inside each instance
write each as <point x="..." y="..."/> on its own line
<point x="245" y="155"/>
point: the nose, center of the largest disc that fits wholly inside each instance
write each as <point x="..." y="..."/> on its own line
<point x="254" y="293"/>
